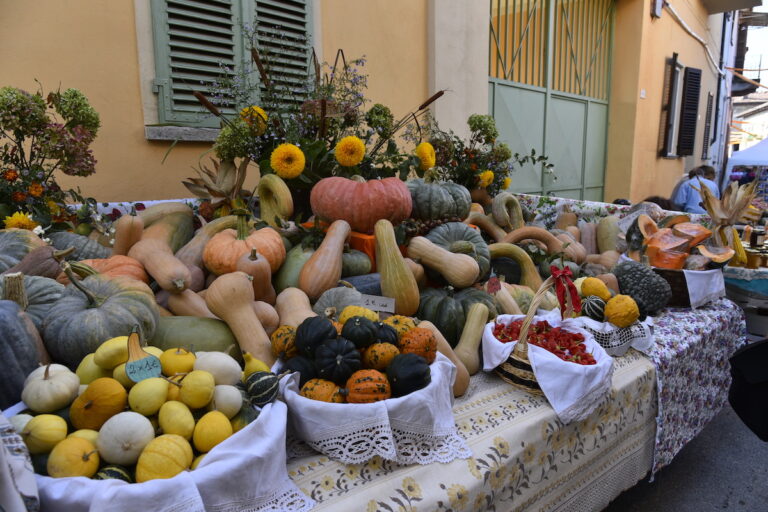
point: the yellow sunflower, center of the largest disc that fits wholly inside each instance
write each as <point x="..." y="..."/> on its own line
<point x="506" y="183"/>
<point x="426" y="154"/>
<point x="349" y="151"/>
<point x="486" y="178"/>
<point x="287" y="160"/>
<point x="21" y="221"/>
<point x="256" y="118"/>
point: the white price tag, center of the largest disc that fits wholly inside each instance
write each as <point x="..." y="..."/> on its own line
<point x="376" y="303"/>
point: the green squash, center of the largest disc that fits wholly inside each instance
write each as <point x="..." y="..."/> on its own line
<point x="593" y="307"/>
<point x="438" y="200"/>
<point x="114" y="472"/>
<point x="386" y="333"/>
<point x="21" y="351"/>
<point x="261" y="388"/>
<point x="305" y="367"/>
<point x="360" y="331"/>
<point x="94" y="310"/>
<point x="15" y="244"/>
<point x="288" y="275"/>
<point x="355" y="263"/>
<point x="453" y="237"/>
<point x="311" y="333"/>
<point x="246" y="415"/>
<point x="338" y="298"/>
<point x="42" y="294"/>
<point x="447" y="309"/>
<point x="408" y="373"/>
<point x="196" y="334"/>
<point x="337" y="360"/>
<point x="85" y="248"/>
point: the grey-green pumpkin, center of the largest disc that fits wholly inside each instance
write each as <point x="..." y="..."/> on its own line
<point x="448" y="309"/>
<point x="41" y="292"/>
<point x="85" y="248"/>
<point x="436" y="200"/>
<point x="355" y="263"/>
<point x="459" y="238"/>
<point x="15" y="244"/>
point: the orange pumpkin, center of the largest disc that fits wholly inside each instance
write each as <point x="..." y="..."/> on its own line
<point x="379" y="355"/>
<point x="112" y="267"/>
<point x="367" y="386"/>
<point x="283" y="342"/>
<point x="223" y="251"/>
<point x="102" y="399"/>
<point x="419" y="341"/>
<point x="322" y="390"/>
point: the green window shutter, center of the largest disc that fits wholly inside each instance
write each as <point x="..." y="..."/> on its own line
<point x="195" y="41"/>
<point x="284" y="38"/>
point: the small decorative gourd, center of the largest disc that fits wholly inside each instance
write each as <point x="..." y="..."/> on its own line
<point x="367" y="386"/>
<point x="408" y="373"/>
<point x="252" y="365"/>
<point x="360" y="331"/>
<point x="401" y="323"/>
<point x="283" y="342"/>
<point x="379" y="355"/>
<point x="43" y="432"/>
<point x="351" y="311"/>
<point x="419" y="341"/>
<point x="386" y="333"/>
<point x="123" y="437"/>
<point x="176" y="418"/>
<point x="262" y="388"/>
<point x="322" y="390"/>
<point x="337" y="360"/>
<point x="594" y="286"/>
<point x="621" y="311"/>
<point x="593" y="307"/>
<point x="177" y="360"/>
<point x="102" y="399"/>
<point x="197" y="389"/>
<point x="213" y="428"/>
<point x="304" y="366"/>
<point x="114" y="472"/>
<point x="164" y="457"/>
<point x="51" y="390"/>
<point x="73" y="456"/>
<point x="223" y="367"/>
<point x="226" y="399"/>
<point x="148" y="395"/>
<point x="312" y="333"/>
<point x="88" y="371"/>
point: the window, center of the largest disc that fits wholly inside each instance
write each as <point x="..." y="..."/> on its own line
<point x="707" y="128"/>
<point x="689" y="112"/>
<point x="196" y="40"/>
<point x="670" y="111"/>
<point x="682" y="86"/>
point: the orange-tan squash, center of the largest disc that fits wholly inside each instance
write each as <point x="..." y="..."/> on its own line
<point x="128" y="231"/>
<point x="257" y="266"/>
<point x="460" y="270"/>
<point x="461" y="383"/>
<point x="322" y="270"/>
<point x="224" y="249"/>
<point x="293" y="307"/>
<point x="397" y="280"/>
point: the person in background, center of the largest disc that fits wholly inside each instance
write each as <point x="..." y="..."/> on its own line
<point x="663" y="202"/>
<point x="687" y="198"/>
<point x="709" y="179"/>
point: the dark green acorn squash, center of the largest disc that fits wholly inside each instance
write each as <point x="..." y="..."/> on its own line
<point x="408" y="373"/>
<point x="354" y="263"/>
<point x="360" y="331"/>
<point x="386" y="333"/>
<point x="337" y="360"/>
<point x="311" y="333"/>
<point x="447" y="309"/>
<point x="304" y="366"/>
<point x="460" y="238"/>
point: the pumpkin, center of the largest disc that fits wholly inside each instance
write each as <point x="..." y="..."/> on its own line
<point x="718" y="256"/>
<point x="322" y="390"/>
<point x="37" y="295"/>
<point x="164" y="457"/>
<point x="196" y="389"/>
<point x="119" y="266"/>
<point x="621" y="311"/>
<point x="397" y="280"/>
<point x="213" y="428"/>
<point x="459" y="270"/>
<point x="360" y="331"/>
<point x="367" y="386"/>
<point x="223" y="251"/>
<point x="73" y="456"/>
<point x="43" y="432"/>
<point x="177" y="360"/>
<point x="386" y="333"/>
<point x="419" y="341"/>
<point x="288" y="275"/>
<point x="85" y="248"/>
<point x="123" y="437"/>
<point x="226" y="399"/>
<point x="102" y="399"/>
<point x="312" y="333"/>
<point x="97" y="309"/>
<point x="50" y="391"/>
<point x="696" y="233"/>
<point x="447" y="309"/>
<point x="323" y="269"/>
<point x="114" y="472"/>
<point x="224" y="368"/>
<point x="400" y="323"/>
<point x="437" y="200"/>
<point x="15" y="244"/>
<point x="379" y="355"/>
<point x="283" y="342"/>
<point x="338" y="298"/>
<point x="337" y="359"/>
<point x="304" y="366"/>
<point x="41" y="261"/>
<point x="275" y="200"/>
<point x="453" y="237"/>
<point x="353" y="311"/>
<point x="361" y="203"/>
<point x="292" y="306"/>
<point x="593" y="307"/>
<point x="257" y="266"/>
<point x="193" y="333"/>
<point x="262" y="388"/>
<point x="354" y="263"/>
<point x="408" y="373"/>
<point x="148" y="395"/>
<point x="594" y="286"/>
<point x="21" y="351"/>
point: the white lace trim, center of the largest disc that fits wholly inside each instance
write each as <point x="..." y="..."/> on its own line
<point x="360" y="446"/>
<point x="419" y="448"/>
<point x="286" y="498"/>
<point x="588" y="403"/>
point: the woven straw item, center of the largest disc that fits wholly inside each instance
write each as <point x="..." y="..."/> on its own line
<point x="517" y="369"/>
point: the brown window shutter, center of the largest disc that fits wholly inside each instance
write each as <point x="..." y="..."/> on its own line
<point x="689" y="111"/>
<point x="667" y="116"/>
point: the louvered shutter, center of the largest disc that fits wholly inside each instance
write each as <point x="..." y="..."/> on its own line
<point x="689" y="111"/>
<point x="283" y="37"/>
<point x="668" y="118"/>
<point x="195" y="41"/>
<point x="707" y="128"/>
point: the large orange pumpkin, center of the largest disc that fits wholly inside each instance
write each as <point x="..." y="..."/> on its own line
<point x="360" y="202"/>
<point x="111" y="267"/>
<point x="222" y="252"/>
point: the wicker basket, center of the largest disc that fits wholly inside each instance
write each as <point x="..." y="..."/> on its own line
<point x="679" y="286"/>
<point x="517" y="369"/>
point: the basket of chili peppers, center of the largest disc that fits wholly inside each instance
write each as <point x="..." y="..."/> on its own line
<point x="550" y="354"/>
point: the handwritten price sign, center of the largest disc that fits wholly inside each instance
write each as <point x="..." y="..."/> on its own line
<point x="376" y="303"/>
<point x="145" y="368"/>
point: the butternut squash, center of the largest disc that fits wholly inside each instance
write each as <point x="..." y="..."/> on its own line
<point x="608" y="259"/>
<point x="566" y="219"/>
<point x="504" y="300"/>
<point x="158" y="211"/>
<point x="189" y="303"/>
<point x="554" y="245"/>
<point x="128" y="231"/>
<point x="164" y="312"/>
<point x="197" y="277"/>
<point x="322" y="270"/>
<point x="418" y="272"/>
<point x="588" y="239"/>
<point x="529" y="275"/>
<point x="397" y="280"/>
<point x="460" y="270"/>
<point x="230" y="297"/>
<point x="607" y="233"/>
<point x="160" y="263"/>
<point x="577" y="250"/>
<point x="292" y="306"/>
<point x="268" y="316"/>
<point x="258" y="267"/>
<point x="175" y="230"/>
<point x="461" y="383"/>
<point x="507" y="211"/>
<point x="476" y="207"/>
<point x="486" y="225"/>
<point x="468" y="348"/>
<point x="574" y="232"/>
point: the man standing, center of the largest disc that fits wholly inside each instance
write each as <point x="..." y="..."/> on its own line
<point x="688" y="198"/>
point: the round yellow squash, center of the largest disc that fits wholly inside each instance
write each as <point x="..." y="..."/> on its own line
<point x="43" y="432"/>
<point x="147" y="396"/>
<point x="85" y="433"/>
<point x="197" y="461"/>
<point x="176" y="418"/>
<point x="120" y="376"/>
<point x="88" y="371"/>
<point x="73" y="456"/>
<point x="197" y="389"/>
<point x="621" y="311"/>
<point x="350" y="311"/>
<point x="177" y="360"/>
<point x="112" y="352"/>
<point x="164" y="457"/>
<point x="211" y="429"/>
<point x="174" y="390"/>
<point x="594" y="286"/>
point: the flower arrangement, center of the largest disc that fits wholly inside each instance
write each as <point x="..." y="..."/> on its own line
<point x="38" y="137"/>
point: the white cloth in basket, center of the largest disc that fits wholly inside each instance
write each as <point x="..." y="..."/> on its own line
<point x="704" y="286"/>
<point x="416" y="428"/>
<point x="617" y="340"/>
<point x="244" y="473"/>
<point x="573" y="390"/>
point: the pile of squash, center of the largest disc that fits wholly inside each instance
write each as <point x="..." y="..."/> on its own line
<point x="97" y="423"/>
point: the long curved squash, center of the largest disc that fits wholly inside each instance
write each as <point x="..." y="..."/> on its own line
<point x="487" y="225"/>
<point x="275" y="201"/>
<point x="461" y="383"/>
<point x="507" y="212"/>
<point x="397" y="280"/>
<point x="554" y="246"/>
<point x="529" y="275"/>
<point x="161" y="210"/>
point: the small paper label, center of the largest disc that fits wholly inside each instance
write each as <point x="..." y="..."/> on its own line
<point x="145" y="368"/>
<point x="376" y="303"/>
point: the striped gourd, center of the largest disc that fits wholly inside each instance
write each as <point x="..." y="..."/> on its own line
<point x="593" y="307"/>
<point x="261" y="388"/>
<point x="114" y="472"/>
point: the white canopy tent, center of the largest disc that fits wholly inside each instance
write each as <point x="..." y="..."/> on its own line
<point x="753" y="155"/>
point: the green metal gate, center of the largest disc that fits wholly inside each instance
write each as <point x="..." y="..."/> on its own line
<point x="549" y="70"/>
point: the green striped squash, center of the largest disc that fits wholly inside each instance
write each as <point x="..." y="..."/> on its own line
<point x="261" y="388"/>
<point x="593" y="307"/>
<point x="114" y="472"/>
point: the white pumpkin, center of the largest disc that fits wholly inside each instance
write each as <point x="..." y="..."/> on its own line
<point x="82" y="389"/>
<point x="123" y="437"/>
<point x="223" y="367"/>
<point x="19" y="421"/>
<point x="40" y="371"/>
<point x="227" y="400"/>
<point x="50" y="391"/>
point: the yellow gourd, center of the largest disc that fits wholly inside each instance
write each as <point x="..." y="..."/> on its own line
<point x="73" y="456"/>
<point x="155" y="351"/>
<point x="210" y="430"/>
<point x="350" y="311"/>
<point x="200" y="457"/>
<point x="85" y="433"/>
<point x="621" y="311"/>
<point x="43" y="432"/>
<point x="174" y="388"/>
<point x="147" y="396"/>
<point x="164" y="457"/>
<point x="112" y="352"/>
<point x="176" y="418"/>
<point x="120" y="376"/>
<point x="102" y="399"/>
<point x="253" y="365"/>
<point x="88" y="371"/>
<point x="197" y="389"/>
<point x="594" y="286"/>
<point x="177" y="360"/>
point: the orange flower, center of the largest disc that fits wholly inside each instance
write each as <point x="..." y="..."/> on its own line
<point x="18" y="196"/>
<point x="10" y="175"/>
<point x="35" y="189"/>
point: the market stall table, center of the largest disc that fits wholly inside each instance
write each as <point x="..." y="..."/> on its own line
<point x="524" y="458"/>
